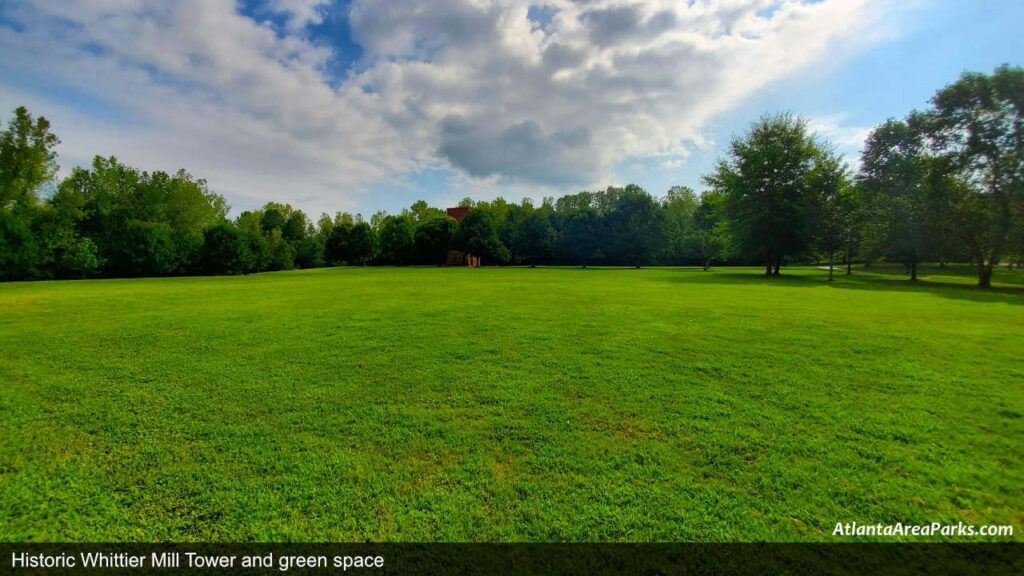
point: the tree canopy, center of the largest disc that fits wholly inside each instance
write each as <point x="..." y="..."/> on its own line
<point x="944" y="183"/>
<point x="766" y="181"/>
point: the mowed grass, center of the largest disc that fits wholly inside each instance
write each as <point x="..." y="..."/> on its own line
<point x="960" y="274"/>
<point x="452" y="404"/>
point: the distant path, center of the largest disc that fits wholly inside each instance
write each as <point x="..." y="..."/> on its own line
<point x="843" y="270"/>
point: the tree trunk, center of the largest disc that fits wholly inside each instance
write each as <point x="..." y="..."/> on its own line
<point x="768" y="269"/>
<point x="829" y="266"/>
<point x="778" y="263"/>
<point x="913" y="271"/>
<point x="849" y="266"/>
<point x="984" y="275"/>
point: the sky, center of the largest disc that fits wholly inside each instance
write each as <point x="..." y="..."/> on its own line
<point x="361" y="106"/>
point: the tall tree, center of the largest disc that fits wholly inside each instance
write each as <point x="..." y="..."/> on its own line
<point x="581" y="234"/>
<point x="362" y="245"/>
<point x="829" y="186"/>
<point x="704" y="240"/>
<point x="854" y="221"/>
<point x="272" y="219"/>
<point x="259" y="251"/>
<point x="510" y="219"/>
<point x="28" y="158"/>
<point x="893" y="175"/>
<point x="141" y="223"/>
<point x="224" y="251"/>
<point x="336" y="244"/>
<point x="397" y="245"/>
<point x="536" y="239"/>
<point x="27" y="162"/>
<point x="377" y="220"/>
<point x="636" y="225"/>
<point x="433" y="239"/>
<point x="978" y="123"/>
<point x="680" y="204"/>
<point x="478" y="235"/>
<point x="764" y="179"/>
<point x="296" y="226"/>
<point x="422" y="212"/>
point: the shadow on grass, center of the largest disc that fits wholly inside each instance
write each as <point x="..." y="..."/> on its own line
<point x="950" y="273"/>
<point x="813" y="278"/>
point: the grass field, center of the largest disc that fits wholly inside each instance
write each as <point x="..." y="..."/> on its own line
<point x="507" y="404"/>
<point x="962" y="274"/>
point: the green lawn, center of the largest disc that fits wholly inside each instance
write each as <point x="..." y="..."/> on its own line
<point x="506" y="404"/>
<point x="965" y="274"/>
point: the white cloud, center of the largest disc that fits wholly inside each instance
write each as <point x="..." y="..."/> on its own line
<point x="673" y="163"/>
<point x="469" y="84"/>
<point x="848" y="140"/>
<point x="301" y="13"/>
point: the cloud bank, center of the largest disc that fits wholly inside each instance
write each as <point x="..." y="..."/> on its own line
<point x="549" y="94"/>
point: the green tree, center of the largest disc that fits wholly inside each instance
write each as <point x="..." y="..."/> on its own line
<point x="143" y="248"/>
<point x="272" y="219"/>
<point x="19" y="247"/>
<point x="574" y="202"/>
<point x="636" y="225"/>
<point x="422" y="212"/>
<point x="704" y="246"/>
<point x="705" y="238"/>
<point x="282" y="252"/>
<point x="581" y="234"/>
<point x="854" y="221"/>
<point x="296" y="227"/>
<point x="680" y="204"/>
<point x="81" y="258"/>
<point x="28" y="158"/>
<point x="764" y="179"/>
<point x="377" y="220"/>
<point x="27" y="162"/>
<point x="224" y="251"/>
<point x="141" y="223"/>
<point x="259" y="255"/>
<point x="829" y="185"/>
<point x="362" y="245"/>
<point x="478" y="234"/>
<point x="397" y="245"/>
<point x="536" y="240"/>
<point x="510" y="224"/>
<point x="309" y="252"/>
<point x="978" y="123"/>
<point x="893" y="175"/>
<point x="433" y="239"/>
<point x="336" y="248"/>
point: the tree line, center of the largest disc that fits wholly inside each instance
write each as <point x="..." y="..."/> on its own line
<point x="946" y="184"/>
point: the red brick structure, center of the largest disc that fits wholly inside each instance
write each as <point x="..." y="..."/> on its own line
<point x="456" y="258"/>
<point x="458" y="213"/>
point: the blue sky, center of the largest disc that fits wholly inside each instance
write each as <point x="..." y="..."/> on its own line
<point x="935" y="43"/>
<point x="368" y="106"/>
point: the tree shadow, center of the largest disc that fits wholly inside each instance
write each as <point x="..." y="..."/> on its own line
<point x="1004" y="294"/>
<point x="965" y="274"/>
<point x="813" y="278"/>
<point x="589" y="268"/>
